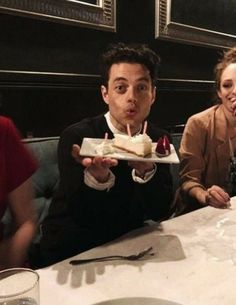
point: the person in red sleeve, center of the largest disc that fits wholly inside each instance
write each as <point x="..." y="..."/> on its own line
<point x="16" y="168"/>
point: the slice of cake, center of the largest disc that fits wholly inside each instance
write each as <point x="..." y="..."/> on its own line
<point x="163" y="147"/>
<point x="140" y="145"/>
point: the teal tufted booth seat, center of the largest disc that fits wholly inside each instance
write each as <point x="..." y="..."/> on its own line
<point x="45" y="179"/>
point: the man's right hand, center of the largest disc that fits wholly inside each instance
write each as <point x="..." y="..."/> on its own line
<point x="97" y="166"/>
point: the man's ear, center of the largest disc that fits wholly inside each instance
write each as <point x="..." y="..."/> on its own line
<point x="104" y="92"/>
<point x="154" y="94"/>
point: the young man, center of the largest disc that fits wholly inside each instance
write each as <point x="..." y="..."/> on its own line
<point x="99" y="199"/>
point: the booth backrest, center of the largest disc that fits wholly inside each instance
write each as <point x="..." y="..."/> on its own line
<point x="46" y="178"/>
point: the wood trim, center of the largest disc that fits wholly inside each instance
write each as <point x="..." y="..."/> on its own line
<point x="37" y="79"/>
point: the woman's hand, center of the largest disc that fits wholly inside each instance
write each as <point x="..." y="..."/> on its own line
<point x="233" y="101"/>
<point x="217" y="197"/>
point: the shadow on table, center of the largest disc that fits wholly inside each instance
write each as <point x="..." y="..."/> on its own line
<point x="137" y="301"/>
<point x="165" y="248"/>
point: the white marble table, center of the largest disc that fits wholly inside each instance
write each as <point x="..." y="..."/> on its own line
<point x="194" y="264"/>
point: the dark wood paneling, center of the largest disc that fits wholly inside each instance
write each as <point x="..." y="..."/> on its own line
<point x="60" y="83"/>
<point x="45" y="109"/>
<point x="46" y="112"/>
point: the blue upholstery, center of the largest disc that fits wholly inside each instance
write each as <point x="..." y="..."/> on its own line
<point x="45" y="179"/>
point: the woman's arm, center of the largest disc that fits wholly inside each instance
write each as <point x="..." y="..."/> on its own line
<point x="193" y="165"/>
<point x="13" y="251"/>
<point x="193" y="161"/>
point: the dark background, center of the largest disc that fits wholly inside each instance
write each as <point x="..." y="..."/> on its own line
<point x="43" y="103"/>
<point x="208" y="14"/>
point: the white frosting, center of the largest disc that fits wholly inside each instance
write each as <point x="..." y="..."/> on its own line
<point x="140" y="145"/>
<point x="104" y="148"/>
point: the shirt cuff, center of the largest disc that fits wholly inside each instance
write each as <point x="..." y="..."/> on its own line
<point x="90" y="181"/>
<point x="148" y="175"/>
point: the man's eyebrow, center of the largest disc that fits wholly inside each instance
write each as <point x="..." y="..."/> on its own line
<point x="119" y="79"/>
<point x="146" y="79"/>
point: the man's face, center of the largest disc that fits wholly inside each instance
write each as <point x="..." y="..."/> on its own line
<point x="129" y="95"/>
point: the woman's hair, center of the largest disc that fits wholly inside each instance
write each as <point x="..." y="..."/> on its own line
<point x="228" y="58"/>
<point x="130" y="53"/>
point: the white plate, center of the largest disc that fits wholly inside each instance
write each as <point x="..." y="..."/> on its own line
<point x="88" y="149"/>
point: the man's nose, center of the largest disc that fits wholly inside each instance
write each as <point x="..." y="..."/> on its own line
<point x="132" y="95"/>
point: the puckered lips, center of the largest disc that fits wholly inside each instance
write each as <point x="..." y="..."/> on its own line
<point x="130" y="112"/>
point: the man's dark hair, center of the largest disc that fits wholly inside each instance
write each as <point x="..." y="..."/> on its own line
<point x="130" y="53"/>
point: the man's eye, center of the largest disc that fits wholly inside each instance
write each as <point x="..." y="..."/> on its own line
<point x="142" y="87"/>
<point x="120" y="88"/>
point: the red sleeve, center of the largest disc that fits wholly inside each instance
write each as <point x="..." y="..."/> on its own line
<point x="20" y="164"/>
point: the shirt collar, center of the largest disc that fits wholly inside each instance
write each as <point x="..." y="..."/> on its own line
<point x="112" y="127"/>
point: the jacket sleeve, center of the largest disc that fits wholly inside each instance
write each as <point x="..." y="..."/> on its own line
<point x="192" y="151"/>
